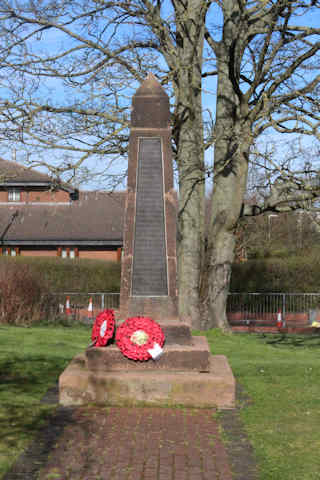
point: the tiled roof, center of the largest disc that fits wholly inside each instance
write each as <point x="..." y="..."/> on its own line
<point x="13" y="172"/>
<point x="95" y="217"/>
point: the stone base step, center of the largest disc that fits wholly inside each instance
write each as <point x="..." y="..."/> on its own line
<point x="175" y="332"/>
<point x="79" y="386"/>
<point x="175" y="357"/>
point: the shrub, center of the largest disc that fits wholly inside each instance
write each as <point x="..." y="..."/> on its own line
<point x="26" y="285"/>
<point x="79" y="275"/>
<point x="22" y="294"/>
<point x="292" y="275"/>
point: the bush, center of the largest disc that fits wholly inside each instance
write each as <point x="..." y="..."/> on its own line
<point x="79" y="275"/>
<point x="23" y="294"/>
<point x="292" y="275"/>
<point x="26" y="285"/>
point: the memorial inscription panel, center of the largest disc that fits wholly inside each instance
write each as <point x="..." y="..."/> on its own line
<point x="149" y="276"/>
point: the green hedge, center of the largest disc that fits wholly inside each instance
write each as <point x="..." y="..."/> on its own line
<point x="77" y="275"/>
<point x="291" y="274"/>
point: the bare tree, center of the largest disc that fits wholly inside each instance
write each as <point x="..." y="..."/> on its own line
<point x="69" y="68"/>
<point x="267" y="78"/>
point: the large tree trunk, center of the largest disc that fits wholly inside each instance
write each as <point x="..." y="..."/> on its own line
<point x="227" y="201"/>
<point x="232" y="145"/>
<point x="188" y="134"/>
<point x="190" y="220"/>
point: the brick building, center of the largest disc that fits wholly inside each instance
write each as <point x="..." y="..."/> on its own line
<point x="39" y="217"/>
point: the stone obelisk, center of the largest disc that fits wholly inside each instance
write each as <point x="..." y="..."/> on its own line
<point x="148" y="277"/>
<point x="186" y="374"/>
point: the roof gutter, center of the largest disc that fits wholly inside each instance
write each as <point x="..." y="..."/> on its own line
<point x="61" y="186"/>
<point x="54" y="243"/>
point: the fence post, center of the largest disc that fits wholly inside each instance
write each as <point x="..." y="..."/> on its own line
<point x="284" y="309"/>
<point x="102" y="301"/>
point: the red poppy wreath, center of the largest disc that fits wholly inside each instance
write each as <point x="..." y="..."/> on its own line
<point x="103" y="328"/>
<point x="140" y="338"/>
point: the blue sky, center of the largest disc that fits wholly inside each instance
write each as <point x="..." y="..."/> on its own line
<point x="56" y="91"/>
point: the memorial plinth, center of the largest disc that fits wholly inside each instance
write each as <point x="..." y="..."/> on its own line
<point x="187" y="373"/>
<point x="80" y="386"/>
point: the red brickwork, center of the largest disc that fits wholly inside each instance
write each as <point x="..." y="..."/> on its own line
<point x="140" y="444"/>
<point x="294" y="322"/>
<point x="106" y="255"/>
<point x="34" y="197"/>
<point x="109" y="255"/>
<point x="296" y="319"/>
<point x="38" y="253"/>
<point x="256" y="329"/>
<point x="58" y="196"/>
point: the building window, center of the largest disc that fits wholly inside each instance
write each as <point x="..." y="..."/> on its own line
<point x="14" y="195"/>
<point x="68" y="252"/>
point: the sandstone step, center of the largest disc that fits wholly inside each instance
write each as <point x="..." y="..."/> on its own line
<point x="175" y="332"/>
<point x="79" y="386"/>
<point x="175" y="357"/>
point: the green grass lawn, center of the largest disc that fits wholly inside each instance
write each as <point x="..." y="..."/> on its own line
<point x="280" y="375"/>
<point x="31" y="360"/>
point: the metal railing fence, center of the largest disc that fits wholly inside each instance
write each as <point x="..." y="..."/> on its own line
<point x="266" y="305"/>
<point x="77" y="309"/>
<point x="263" y="306"/>
<point x="100" y="300"/>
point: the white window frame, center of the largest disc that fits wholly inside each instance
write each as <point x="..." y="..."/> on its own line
<point x="14" y="195"/>
<point x="9" y="252"/>
<point x="68" y="253"/>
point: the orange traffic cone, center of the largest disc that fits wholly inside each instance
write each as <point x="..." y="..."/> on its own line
<point x="90" y="307"/>
<point x="68" y="308"/>
<point x="279" y="319"/>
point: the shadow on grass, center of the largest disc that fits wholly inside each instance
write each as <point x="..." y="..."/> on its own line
<point x="24" y="380"/>
<point x="26" y="373"/>
<point x="294" y="341"/>
<point x="241" y="454"/>
<point x="36" y="455"/>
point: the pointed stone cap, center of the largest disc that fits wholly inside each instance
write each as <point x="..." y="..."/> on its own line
<point x="150" y="105"/>
<point x="150" y="87"/>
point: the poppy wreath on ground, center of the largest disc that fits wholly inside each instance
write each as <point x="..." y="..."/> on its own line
<point x="103" y="328"/>
<point x="140" y="338"/>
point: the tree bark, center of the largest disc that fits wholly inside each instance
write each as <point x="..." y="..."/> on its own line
<point x="231" y="150"/>
<point x="190" y="220"/>
<point x="188" y="136"/>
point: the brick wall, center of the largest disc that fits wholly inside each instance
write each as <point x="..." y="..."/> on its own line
<point x="108" y="255"/>
<point x="3" y="197"/>
<point x="295" y="319"/>
<point x="59" y="196"/>
<point x="295" y="322"/>
<point x="38" y="253"/>
<point x="41" y="197"/>
<point x="99" y="255"/>
<point x="288" y="329"/>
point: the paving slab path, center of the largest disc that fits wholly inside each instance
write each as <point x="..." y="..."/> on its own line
<point x="138" y="443"/>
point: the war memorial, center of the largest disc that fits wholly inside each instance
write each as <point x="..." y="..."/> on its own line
<point x="185" y="373"/>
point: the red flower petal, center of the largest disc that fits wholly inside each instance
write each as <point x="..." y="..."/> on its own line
<point x="103" y="334"/>
<point x="129" y="327"/>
